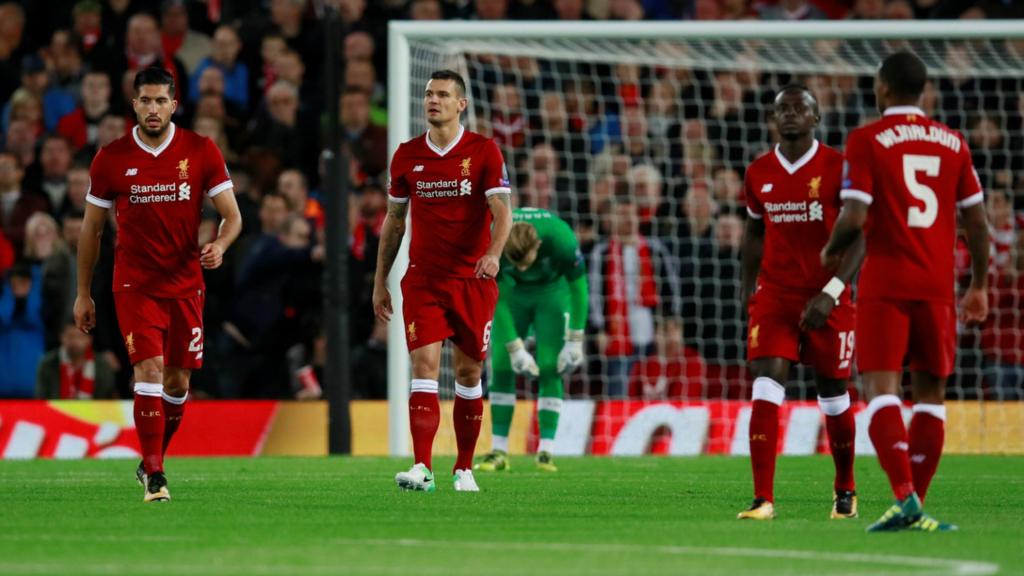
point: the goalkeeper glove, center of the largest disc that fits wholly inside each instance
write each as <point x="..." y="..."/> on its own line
<point x="522" y="362"/>
<point x="571" y="356"/>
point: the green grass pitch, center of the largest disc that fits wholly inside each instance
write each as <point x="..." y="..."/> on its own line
<point x="629" y="516"/>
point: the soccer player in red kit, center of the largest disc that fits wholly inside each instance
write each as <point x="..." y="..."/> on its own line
<point x="799" y="312"/>
<point x="155" y="180"/>
<point x="457" y="186"/>
<point x="906" y="176"/>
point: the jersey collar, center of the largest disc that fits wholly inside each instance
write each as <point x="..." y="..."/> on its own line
<point x="903" y="110"/>
<point x="442" y="151"/>
<point x="154" y="151"/>
<point x="801" y="162"/>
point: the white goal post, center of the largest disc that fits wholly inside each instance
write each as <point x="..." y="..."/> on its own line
<point x="683" y="45"/>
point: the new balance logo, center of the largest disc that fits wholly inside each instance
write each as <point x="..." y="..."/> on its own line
<point x="417" y="168"/>
<point x="918" y="458"/>
<point x="766" y="188"/>
<point x="131" y="172"/>
<point x="901" y="446"/>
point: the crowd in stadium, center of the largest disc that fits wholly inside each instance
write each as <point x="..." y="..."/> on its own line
<point x="668" y="145"/>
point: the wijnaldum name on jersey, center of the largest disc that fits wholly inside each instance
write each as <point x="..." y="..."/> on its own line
<point x="914" y="133"/>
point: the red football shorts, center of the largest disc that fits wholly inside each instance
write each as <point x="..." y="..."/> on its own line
<point x="460" y="309"/>
<point x="922" y="330"/>
<point x="775" y="333"/>
<point x="168" y="327"/>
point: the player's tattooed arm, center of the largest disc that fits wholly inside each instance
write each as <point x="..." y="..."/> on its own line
<point x="501" y="209"/>
<point x="390" y="239"/>
<point x="752" y="251"/>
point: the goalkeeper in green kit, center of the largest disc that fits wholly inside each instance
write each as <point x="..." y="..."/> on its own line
<point x="542" y="285"/>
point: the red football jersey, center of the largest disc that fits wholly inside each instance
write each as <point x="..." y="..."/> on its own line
<point x="799" y="202"/>
<point x="157" y="197"/>
<point x="451" y="223"/>
<point x="913" y="172"/>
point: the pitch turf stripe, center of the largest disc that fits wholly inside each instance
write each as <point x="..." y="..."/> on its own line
<point x="951" y="567"/>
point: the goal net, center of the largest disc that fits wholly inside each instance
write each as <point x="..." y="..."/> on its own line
<point x="670" y="116"/>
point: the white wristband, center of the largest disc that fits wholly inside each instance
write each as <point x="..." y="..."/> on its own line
<point x="834" y="288"/>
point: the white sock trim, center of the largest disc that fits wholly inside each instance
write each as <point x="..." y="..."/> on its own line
<point x="469" y="392"/>
<point x="546" y="445"/>
<point x="768" y="390"/>
<point x="879" y="402"/>
<point x="936" y="410"/>
<point x="502" y="398"/>
<point x="422" y="385"/>
<point x="176" y="400"/>
<point x="499" y="443"/>
<point x="549" y="404"/>
<point x="149" y="389"/>
<point x="834" y="406"/>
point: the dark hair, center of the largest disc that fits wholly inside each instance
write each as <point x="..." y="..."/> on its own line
<point x="904" y="73"/>
<point x="453" y="76"/>
<point x="797" y="87"/>
<point x="154" y="75"/>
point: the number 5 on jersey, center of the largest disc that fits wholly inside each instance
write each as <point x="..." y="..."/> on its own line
<point x="912" y="164"/>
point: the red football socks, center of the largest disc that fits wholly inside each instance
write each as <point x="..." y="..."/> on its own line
<point x="890" y="439"/>
<point x="842" y="431"/>
<point x="768" y="395"/>
<point x="174" y="410"/>
<point x="467" y="415"/>
<point x="927" y="435"/>
<point x="149" y="425"/>
<point x="424" y="418"/>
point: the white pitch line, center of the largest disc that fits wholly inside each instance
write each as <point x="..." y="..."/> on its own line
<point x="952" y="567"/>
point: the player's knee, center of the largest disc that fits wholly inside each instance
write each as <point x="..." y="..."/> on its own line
<point x="150" y="370"/>
<point x="468" y="375"/>
<point x="176" y="382"/>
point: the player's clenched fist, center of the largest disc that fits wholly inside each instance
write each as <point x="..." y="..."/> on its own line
<point x="85" y="314"/>
<point x="211" y="256"/>
<point x="487" y="267"/>
<point x="974" y="306"/>
<point x="382" y="302"/>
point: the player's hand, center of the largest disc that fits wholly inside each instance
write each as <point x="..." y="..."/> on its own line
<point x="487" y="267"/>
<point x="382" y="302"/>
<point x="522" y="362"/>
<point x="85" y="314"/>
<point x="571" y="356"/>
<point x="974" y="306"/>
<point x="211" y="256"/>
<point x="830" y="261"/>
<point x="817" y="311"/>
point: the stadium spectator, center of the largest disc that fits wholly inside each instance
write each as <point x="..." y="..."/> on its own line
<point x="224" y="52"/>
<point x="792" y="10"/>
<point x="28" y="108"/>
<point x="988" y="147"/>
<point x="425" y="10"/>
<point x="490" y="9"/>
<point x="570" y="10"/>
<point x="178" y="40"/>
<point x="22" y="334"/>
<point x="36" y="79"/>
<point x="1002" y="336"/>
<point x="81" y="126"/>
<point x="277" y="128"/>
<point x="634" y="285"/>
<point x="50" y="174"/>
<point x="16" y="203"/>
<point x="867" y="10"/>
<point x="12" y="28"/>
<point x="625" y="10"/>
<point x="508" y="120"/>
<point x="44" y="246"/>
<point x="366" y="142"/>
<point x="87" y="18"/>
<point x="73" y="371"/>
<point x="673" y="370"/>
<point x="143" y="48"/>
<point x="294" y="187"/>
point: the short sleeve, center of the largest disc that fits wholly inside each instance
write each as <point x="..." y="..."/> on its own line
<point x="495" y="173"/>
<point x="398" y="188"/>
<point x="857" y="179"/>
<point x="969" y="190"/>
<point x="216" y="178"/>
<point x="754" y="208"/>
<point x="100" y="193"/>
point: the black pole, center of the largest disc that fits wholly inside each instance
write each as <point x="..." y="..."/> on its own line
<point x="337" y="373"/>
